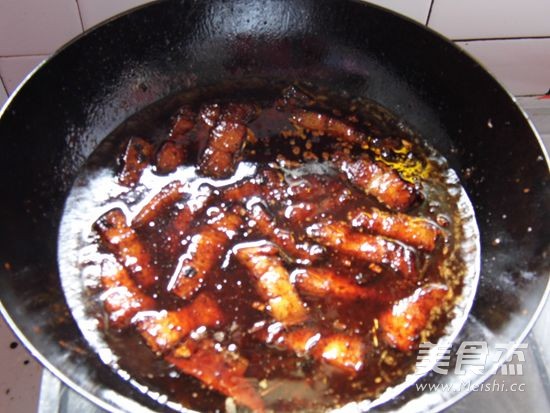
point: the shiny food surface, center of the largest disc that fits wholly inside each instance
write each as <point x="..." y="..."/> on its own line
<point x="287" y="251"/>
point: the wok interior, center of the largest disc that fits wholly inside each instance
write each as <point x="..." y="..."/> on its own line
<point x="87" y="89"/>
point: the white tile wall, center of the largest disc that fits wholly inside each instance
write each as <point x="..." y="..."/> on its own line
<point x="36" y="27"/>
<point x="539" y="113"/>
<point x="14" y="69"/>
<point x="473" y="19"/>
<point x="523" y="65"/>
<point x="95" y="11"/>
<point x="415" y="9"/>
<point x="3" y="95"/>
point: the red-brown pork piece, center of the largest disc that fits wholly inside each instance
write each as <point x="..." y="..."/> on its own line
<point x="166" y="197"/>
<point x="272" y="282"/>
<point x="173" y="152"/>
<point x="205" y="251"/>
<point x="403" y="323"/>
<point x="343" y="351"/>
<point x="220" y="370"/>
<point x="136" y="158"/>
<point x="226" y="140"/>
<point x="169" y="156"/>
<point x="180" y="225"/>
<point x="324" y="124"/>
<point x="338" y="236"/>
<point x="325" y="282"/>
<point x="418" y="232"/>
<point x="122" y="298"/>
<point x="378" y="180"/>
<point x="123" y="241"/>
<point x="266" y="225"/>
<point x="183" y="123"/>
<point x="243" y="191"/>
<point x="163" y="330"/>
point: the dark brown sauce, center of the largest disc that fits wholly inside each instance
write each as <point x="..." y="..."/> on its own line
<point x="286" y="381"/>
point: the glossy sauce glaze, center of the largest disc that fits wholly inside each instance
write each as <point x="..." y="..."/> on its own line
<point x="277" y="250"/>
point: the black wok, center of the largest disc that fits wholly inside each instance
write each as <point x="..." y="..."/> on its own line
<point x="84" y="91"/>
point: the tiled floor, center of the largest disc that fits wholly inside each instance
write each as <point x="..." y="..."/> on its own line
<point x="20" y="375"/>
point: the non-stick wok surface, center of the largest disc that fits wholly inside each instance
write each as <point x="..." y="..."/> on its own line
<point x="89" y="87"/>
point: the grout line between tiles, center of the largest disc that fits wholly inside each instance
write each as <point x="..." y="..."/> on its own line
<point x="430" y="12"/>
<point x="4" y="86"/>
<point x="532" y="96"/>
<point x="501" y="38"/>
<point x="25" y="55"/>
<point x="79" y="15"/>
